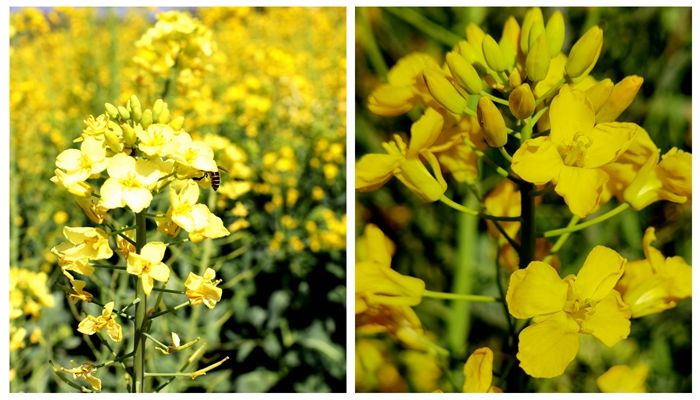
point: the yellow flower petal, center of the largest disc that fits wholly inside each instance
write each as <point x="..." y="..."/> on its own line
<point x="147" y="283"/>
<point x="535" y="290"/>
<point x="416" y="177"/>
<point x="581" y="188"/>
<point x="623" y="379"/>
<point x="478" y="371"/>
<point x="537" y="161"/>
<point x="378" y="248"/>
<point x="607" y="142"/>
<point x="599" y="273"/>
<point x="570" y="113"/>
<point x="137" y="198"/>
<point x="546" y="348"/>
<point x="610" y="322"/>
<point x="153" y="251"/>
<point x="382" y="285"/>
<point x="425" y="131"/>
<point x="372" y="171"/>
<point x="160" y="272"/>
<point x="389" y="101"/>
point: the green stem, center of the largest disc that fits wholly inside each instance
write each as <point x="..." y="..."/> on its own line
<point x="569" y="229"/>
<point x="156" y="341"/>
<point x="561" y="240"/>
<point x="417" y="20"/>
<point x="370" y="44"/>
<point x="527" y="231"/>
<point x="168" y="290"/>
<point x="473" y="298"/>
<point x="495" y="99"/>
<point x="167" y="374"/>
<point x="505" y="154"/>
<point x="108" y="266"/>
<point x="466" y="210"/>
<point x="139" y="339"/>
<point x="177" y="307"/>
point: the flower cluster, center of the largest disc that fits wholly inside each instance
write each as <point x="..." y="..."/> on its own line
<point x="532" y="112"/>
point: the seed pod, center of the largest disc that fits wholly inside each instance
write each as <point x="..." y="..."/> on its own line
<point x="492" y="54"/>
<point x="555" y="33"/>
<point x="521" y="101"/>
<point x="443" y="92"/>
<point x="464" y="73"/>
<point x="533" y="26"/>
<point x="537" y="62"/>
<point x="135" y="107"/>
<point x="584" y="54"/>
<point x="492" y="123"/>
<point x="111" y="110"/>
<point x="620" y="98"/>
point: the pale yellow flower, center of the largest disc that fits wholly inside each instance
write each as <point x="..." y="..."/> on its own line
<point x="202" y="289"/>
<point x="148" y="265"/>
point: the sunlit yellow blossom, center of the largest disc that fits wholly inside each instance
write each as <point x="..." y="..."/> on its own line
<point x="79" y="165"/>
<point x="85" y="371"/>
<point x="574" y="152"/>
<point x="129" y="183"/>
<point x="77" y="293"/>
<point x="17" y="336"/>
<point x="202" y="289"/>
<point x="155" y="140"/>
<point x="563" y="309"/>
<point x="29" y="293"/>
<point x="478" y="372"/>
<point x="84" y="244"/>
<point x="91" y="325"/>
<point x="78" y="188"/>
<point x="148" y="265"/>
<point x="623" y="379"/>
<point x="376" y="282"/>
<point x="670" y="179"/>
<point x="192" y="153"/>
<point x="655" y="283"/>
<point x="195" y="218"/>
<point x="404" y="162"/>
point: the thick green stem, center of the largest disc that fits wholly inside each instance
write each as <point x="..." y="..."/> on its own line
<point x="527" y="231"/>
<point x="140" y="317"/>
<point x="459" y="321"/>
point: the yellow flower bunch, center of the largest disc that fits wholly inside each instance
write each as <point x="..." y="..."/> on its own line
<point x="520" y="118"/>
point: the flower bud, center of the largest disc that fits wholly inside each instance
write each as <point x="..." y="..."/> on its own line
<point x="177" y="123"/>
<point x="620" y="98"/>
<point x="135" y="107"/>
<point x="598" y="94"/>
<point x="533" y="26"/>
<point x="464" y="73"/>
<point x="555" y="32"/>
<point x="584" y="54"/>
<point x="147" y="118"/>
<point x="129" y="135"/>
<point x="123" y="112"/>
<point x="157" y="109"/>
<point x="514" y="79"/>
<point x="492" y="54"/>
<point x="521" y="101"/>
<point x="443" y="92"/>
<point x="164" y="116"/>
<point x="111" y="110"/>
<point x="537" y="62"/>
<point x="492" y="123"/>
<point x="511" y="33"/>
<point x="389" y="101"/>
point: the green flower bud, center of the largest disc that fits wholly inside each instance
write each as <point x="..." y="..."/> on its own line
<point x="157" y="109"/>
<point x="537" y="62"/>
<point x="492" y="123"/>
<point x="584" y="54"/>
<point x="555" y="33"/>
<point x="129" y="135"/>
<point x="135" y="107"/>
<point x="620" y="98"/>
<point x="521" y="102"/>
<point x="443" y="91"/>
<point x="464" y="73"/>
<point x="533" y="26"/>
<point x="147" y="118"/>
<point x="111" y="110"/>
<point x="123" y="112"/>
<point x="177" y="123"/>
<point x="164" y="116"/>
<point x="492" y="54"/>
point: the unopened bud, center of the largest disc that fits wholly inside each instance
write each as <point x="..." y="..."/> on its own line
<point x="157" y="109"/>
<point x="492" y="54"/>
<point x="598" y="94"/>
<point x="511" y="33"/>
<point x="620" y="98"/>
<point x="464" y="73"/>
<point x="584" y="54"/>
<point x="521" y="102"/>
<point x="135" y="107"/>
<point x="537" y="62"/>
<point x="111" y="110"/>
<point x="129" y="135"/>
<point x="177" y="123"/>
<point x="147" y="118"/>
<point x="555" y="32"/>
<point x="492" y="123"/>
<point x="514" y="79"/>
<point x="123" y="112"/>
<point x="533" y="26"/>
<point x="443" y="92"/>
<point x="164" y="116"/>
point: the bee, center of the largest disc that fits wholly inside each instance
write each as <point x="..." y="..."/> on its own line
<point x="214" y="177"/>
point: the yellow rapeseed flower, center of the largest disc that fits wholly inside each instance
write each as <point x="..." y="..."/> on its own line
<point x="478" y="372"/>
<point x="79" y="165"/>
<point x="623" y="379"/>
<point x="84" y="244"/>
<point x="129" y="183"/>
<point x="202" y="289"/>
<point x="573" y="155"/>
<point x="91" y="324"/>
<point x="562" y="309"/>
<point x="148" y="265"/>
<point x="85" y="371"/>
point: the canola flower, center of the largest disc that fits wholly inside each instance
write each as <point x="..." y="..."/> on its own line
<point x="533" y="125"/>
